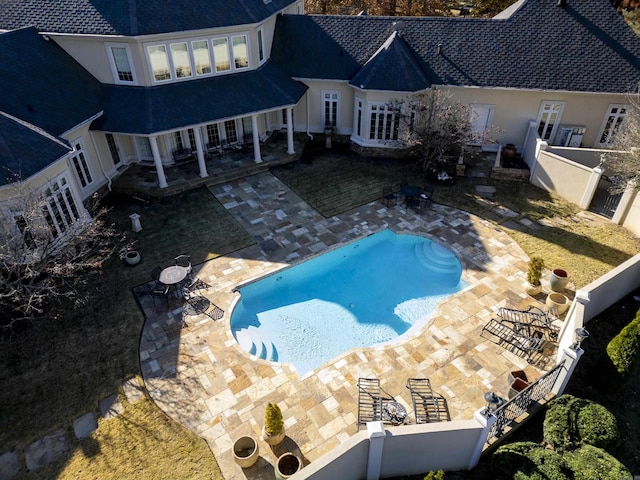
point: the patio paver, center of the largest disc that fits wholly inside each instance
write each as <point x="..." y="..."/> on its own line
<point x="201" y="378"/>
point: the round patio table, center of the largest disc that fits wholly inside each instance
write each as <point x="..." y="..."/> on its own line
<point x="173" y="275"/>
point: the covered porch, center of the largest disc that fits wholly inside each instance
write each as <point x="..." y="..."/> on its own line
<point x="141" y="179"/>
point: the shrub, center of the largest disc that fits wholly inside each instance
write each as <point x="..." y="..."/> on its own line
<point x="571" y="422"/>
<point x="623" y="348"/>
<point x="528" y="461"/>
<point x="534" y="273"/>
<point x="592" y="463"/>
<point x="439" y="475"/>
<point x="273" y="423"/>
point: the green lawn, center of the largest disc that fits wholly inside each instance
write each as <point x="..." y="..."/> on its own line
<point x="69" y="363"/>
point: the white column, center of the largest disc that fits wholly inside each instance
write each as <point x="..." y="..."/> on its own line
<point x="376" y="443"/>
<point x="256" y="139"/>
<point x="486" y="422"/>
<point x="625" y="203"/>
<point x="571" y="357"/>
<point x="590" y="189"/>
<point x="162" y="180"/>
<point x="200" y="154"/>
<point x="290" y="149"/>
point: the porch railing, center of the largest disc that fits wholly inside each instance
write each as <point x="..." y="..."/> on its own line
<point x="521" y="403"/>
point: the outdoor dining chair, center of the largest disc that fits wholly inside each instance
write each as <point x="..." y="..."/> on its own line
<point x="388" y="197"/>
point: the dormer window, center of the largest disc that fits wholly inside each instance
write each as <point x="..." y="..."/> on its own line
<point x="120" y="61"/>
<point x="221" y="54"/>
<point x="240" y="51"/>
<point x="201" y="58"/>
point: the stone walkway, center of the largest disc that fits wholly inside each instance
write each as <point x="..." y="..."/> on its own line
<point x="52" y="446"/>
<point x="196" y="372"/>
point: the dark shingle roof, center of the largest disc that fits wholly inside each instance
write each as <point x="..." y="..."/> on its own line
<point x="146" y="110"/>
<point x="133" y="17"/>
<point x="25" y="149"/>
<point x="584" y="46"/>
<point x="43" y="85"/>
<point x="393" y="67"/>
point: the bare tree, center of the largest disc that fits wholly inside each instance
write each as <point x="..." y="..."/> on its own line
<point x="623" y="162"/>
<point x="42" y="267"/>
<point x="435" y="129"/>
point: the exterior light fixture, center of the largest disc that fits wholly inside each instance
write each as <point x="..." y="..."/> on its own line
<point x="492" y="402"/>
<point x="581" y="336"/>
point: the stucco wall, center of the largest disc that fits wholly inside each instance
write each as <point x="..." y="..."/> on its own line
<point x="561" y="176"/>
<point x="316" y="110"/>
<point x="631" y="220"/>
<point x="514" y="109"/>
<point x="411" y="449"/>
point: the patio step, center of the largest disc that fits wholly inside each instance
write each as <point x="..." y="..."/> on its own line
<point x="435" y="257"/>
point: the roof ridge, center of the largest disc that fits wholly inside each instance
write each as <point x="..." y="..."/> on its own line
<point x="37" y="130"/>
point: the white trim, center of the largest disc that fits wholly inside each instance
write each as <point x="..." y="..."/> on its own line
<point x="337" y="100"/>
<point x="261" y="45"/>
<point x="542" y="110"/>
<point x="603" y="126"/>
<point x="83" y="172"/>
<point x="114" y="69"/>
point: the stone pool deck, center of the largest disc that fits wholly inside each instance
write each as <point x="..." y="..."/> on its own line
<point x="196" y="372"/>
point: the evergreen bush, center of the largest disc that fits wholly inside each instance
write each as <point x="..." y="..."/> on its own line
<point x="624" y="348"/>
<point x="571" y="422"/>
<point x="592" y="463"/>
<point x="528" y="461"/>
<point x="273" y="423"/>
<point x="534" y="273"/>
<point x="439" y="475"/>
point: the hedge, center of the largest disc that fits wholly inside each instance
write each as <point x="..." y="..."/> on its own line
<point x="528" y="461"/>
<point x="592" y="463"/>
<point x="571" y="422"/>
<point x="623" y="348"/>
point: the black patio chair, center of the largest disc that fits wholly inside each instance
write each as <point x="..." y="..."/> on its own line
<point x="426" y="197"/>
<point x="388" y="197"/>
<point x="155" y="274"/>
<point x="425" y="405"/>
<point x="512" y="340"/>
<point x="369" y="400"/>
<point x="530" y="321"/>
<point x="157" y="290"/>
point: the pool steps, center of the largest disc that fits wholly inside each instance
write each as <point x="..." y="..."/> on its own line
<point x="435" y="257"/>
<point x="248" y="336"/>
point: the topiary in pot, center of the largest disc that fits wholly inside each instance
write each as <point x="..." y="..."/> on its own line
<point x="534" y="274"/>
<point x="273" y="430"/>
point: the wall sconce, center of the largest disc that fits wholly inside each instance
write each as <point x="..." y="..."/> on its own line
<point x="581" y="336"/>
<point x="492" y="402"/>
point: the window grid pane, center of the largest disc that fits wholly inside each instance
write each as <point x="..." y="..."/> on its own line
<point x="180" y="57"/>
<point x="213" y="134"/>
<point x="221" y="54"/>
<point x="201" y="57"/>
<point x="230" y="131"/>
<point x="159" y="62"/>
<point x="121" y="61"/>
<point x="240" y="52"/>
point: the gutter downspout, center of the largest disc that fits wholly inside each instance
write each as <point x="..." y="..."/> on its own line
<point x="307" y="102"/>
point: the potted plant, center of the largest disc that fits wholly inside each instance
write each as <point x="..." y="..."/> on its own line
<point x="286" y="465"/>
<point x="245" y="451"/>
<point x="273" y="430"/>
<point x="132" y="257"/>
<point x="557" y="303"/>
<point x="558" y="279"/>
<point x="534" y="273"/>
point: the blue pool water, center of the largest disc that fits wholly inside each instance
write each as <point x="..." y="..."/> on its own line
<point x="365" y="293"/>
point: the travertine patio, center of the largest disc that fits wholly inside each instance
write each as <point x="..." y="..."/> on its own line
<point x="201" y="378"/>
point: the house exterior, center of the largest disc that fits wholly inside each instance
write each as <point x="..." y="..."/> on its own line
<point x="128" y="82"/>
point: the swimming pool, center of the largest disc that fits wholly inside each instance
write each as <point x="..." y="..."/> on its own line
<point x="365" y="293"/>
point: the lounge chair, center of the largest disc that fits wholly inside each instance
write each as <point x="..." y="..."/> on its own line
<point x="369" y="400"/>
<point x="512" y="340"/>
<point x="425" y="405"/>
<point x="529" y="321"/>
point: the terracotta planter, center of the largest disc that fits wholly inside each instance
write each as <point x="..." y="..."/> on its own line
<point x="558" y="279"/>
<point x="517" y="386"/>
<point x="272" y="439"/>
<point x="286" y="465"/>
<point x="509" y="151"/>
<point x="132" y="257"/>
<point x="557" y="303"/>
<point x="521" y="374"/>
<point x="246" y="451"/>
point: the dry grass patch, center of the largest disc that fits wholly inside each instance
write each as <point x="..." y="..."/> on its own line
<point x="141" y="443"/>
